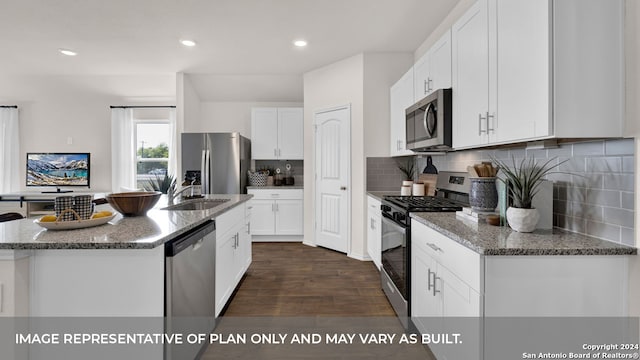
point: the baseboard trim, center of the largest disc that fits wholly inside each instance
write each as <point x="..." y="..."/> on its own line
<point x="277" y="238"/>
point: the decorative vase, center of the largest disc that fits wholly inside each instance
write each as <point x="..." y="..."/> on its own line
<point x="522" y="220"/>
<point x="483" y="195"/>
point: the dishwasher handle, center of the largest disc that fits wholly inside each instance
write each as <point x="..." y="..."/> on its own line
<point x="183" y="242"/>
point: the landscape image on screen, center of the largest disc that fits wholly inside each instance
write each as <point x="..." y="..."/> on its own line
<point x="57" y="169"/>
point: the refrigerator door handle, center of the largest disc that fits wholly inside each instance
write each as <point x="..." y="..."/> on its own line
<point x="203" y="161"/>
<point x="208" y="172"/>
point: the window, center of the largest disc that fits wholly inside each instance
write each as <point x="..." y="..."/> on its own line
<point x="151" y="139"/>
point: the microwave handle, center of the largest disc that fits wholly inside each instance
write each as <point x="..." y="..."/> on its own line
<point x="424" y="119"/>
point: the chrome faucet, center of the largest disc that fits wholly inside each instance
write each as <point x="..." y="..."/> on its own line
<point x="172" y="195"/>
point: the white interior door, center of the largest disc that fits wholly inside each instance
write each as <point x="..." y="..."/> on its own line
<point x="333" y="162"/>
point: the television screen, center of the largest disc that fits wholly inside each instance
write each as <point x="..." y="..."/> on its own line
<point x="58" y="169"/>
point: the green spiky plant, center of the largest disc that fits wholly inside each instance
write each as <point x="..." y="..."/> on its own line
<point x="161" y="183"/>
<point x="407" y="168"/>
<point x="523" y="179"/>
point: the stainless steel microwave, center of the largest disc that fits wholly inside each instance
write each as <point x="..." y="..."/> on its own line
<point x="429" y="122"/>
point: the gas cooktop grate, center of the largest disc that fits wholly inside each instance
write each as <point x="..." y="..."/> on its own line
<point x="424" y="202"/>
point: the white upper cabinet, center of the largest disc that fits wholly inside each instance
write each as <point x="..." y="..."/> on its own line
<point x="470" y="76"/>
<point x="400" y="98"/>
<point x="433" y="70"/>
<point x="277" y="133"/>
<point x="529" y="70"/>
<point x="264" y="133"/>
<point x="290" y="133"/>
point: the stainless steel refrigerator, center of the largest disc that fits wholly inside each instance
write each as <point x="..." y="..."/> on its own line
<point x="222" y="159"/>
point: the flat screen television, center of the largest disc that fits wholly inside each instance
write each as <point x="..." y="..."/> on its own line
<point x="58" y="169"/>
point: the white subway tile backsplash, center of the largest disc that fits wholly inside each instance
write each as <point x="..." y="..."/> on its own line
<point x="588" y="148"/>
<point x="604" y="164"/>
<point x="593" y="193"/>
<point x="563" y="150"/>
<point x="619" y="147"/>
<point x="628" y="164"/>
<point x="627" y="200"/>
<point x="600" y="197"/>
<point x="576" y="164"/>
<point x="619" y="217"/>
<point x="624" y="182"/>
<point x="627" y="236"/>
<point x="588" y="212"/>
<point x="604" y="231"/>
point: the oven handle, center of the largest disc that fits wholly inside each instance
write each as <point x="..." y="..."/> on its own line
<point x="386" y="219"/>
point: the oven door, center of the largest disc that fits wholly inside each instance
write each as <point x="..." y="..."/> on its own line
<point x="395" y="253"/>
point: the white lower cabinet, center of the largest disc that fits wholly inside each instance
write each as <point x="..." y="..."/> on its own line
<point x="374" y="231"/>
<point x="455" y="289"/>
<point x="276" y="212"/>
<point x="233" y="253"/>
<point x="14" y="283"/>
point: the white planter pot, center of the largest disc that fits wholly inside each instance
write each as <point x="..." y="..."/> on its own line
<point x="522" y="220"/>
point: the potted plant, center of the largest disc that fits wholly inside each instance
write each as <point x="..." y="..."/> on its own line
<point x="407" y="168"/>
<point x="522" y="181"/>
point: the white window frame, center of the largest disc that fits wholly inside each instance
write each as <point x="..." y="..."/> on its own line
<point x="135" y="137"/>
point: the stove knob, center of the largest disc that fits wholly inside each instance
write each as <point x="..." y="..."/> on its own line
<point x="385" y="208"/>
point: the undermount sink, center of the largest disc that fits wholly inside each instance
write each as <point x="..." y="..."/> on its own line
<point x="197" y="205"/>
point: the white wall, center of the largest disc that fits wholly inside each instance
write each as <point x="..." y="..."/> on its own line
<point x="362" y="81"/>
<point x="228" y="116"/>
<point x="381" y="70"/>
<point x="54" y="108"/>
<point x="337" y="84"/>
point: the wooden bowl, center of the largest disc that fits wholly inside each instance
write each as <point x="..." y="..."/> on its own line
<point x="133" y="203"/>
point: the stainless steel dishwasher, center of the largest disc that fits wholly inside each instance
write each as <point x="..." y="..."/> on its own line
<point x="190" y="288"/>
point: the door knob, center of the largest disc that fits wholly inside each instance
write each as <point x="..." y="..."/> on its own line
<point x="343" y="188"/>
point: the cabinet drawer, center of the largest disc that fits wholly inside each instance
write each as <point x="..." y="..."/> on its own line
<point x="275" y="194"/>
<point x="458" y="259"/>
<point x="373" y="204"/>
<point x="229" y="219"/>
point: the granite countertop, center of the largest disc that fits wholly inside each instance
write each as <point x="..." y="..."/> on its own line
<point x="494" y="240"/>
<point x="380" y="194"/>
<point x="139" y="232"/>
<point x="276" y="187"/>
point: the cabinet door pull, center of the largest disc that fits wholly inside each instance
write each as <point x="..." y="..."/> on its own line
<point x="434" y="247"/>
<point x="249" y="227"/>
<point x="492" y="116"/>
<point x="429" y="81"/>
<point x="435" y="279"/>
<point x="429" y="285"/>
<point x="480" y="118"/>
<point x="425" y="86"/>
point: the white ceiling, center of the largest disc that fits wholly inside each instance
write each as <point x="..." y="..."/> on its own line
<point x="238" y="40"/>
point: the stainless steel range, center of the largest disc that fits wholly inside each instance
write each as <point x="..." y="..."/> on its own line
<point x="452" y="193"/>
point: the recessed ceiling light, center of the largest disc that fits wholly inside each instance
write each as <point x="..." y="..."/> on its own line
<point x="188" y="43"/>
<point x="300" y="43"/>
<point x="67" y="52"/>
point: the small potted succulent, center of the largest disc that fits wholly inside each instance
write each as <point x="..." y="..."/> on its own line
<point x="522" y="181"/>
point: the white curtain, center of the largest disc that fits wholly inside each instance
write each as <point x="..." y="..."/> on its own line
<point x="123" y="159"/>
<point x="173" y="145"/>
<point x="9" y="150"/>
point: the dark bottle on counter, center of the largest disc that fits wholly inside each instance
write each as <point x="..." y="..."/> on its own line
<point x="277" y="178"/>
<point x="288" y="175"/>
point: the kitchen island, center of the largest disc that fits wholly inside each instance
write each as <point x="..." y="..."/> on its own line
<point x="116" y="269"/>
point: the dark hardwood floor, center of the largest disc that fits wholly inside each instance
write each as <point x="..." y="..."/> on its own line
<point x="292" y="288"/>
<point x="291" y="279"/>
